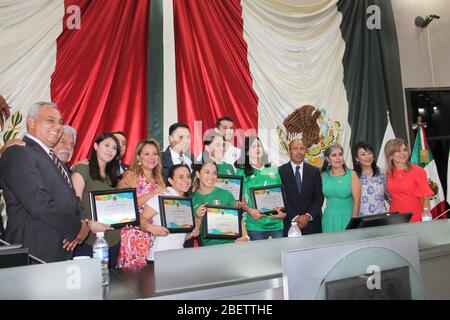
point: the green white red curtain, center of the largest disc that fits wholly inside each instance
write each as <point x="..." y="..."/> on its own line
<point x="138" y="66"/>
<point x="88" y="56"/>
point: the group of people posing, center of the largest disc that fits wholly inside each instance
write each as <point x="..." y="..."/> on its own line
<point x="45" y="212"/>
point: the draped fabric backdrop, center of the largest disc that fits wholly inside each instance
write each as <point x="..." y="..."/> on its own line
<point x="319" y="54"/>
<point x="295" y="55"/>
<point x="258" y="61"/>
<point x="96" y="74"/>
<point x="372" y="72"/>
<point x="28" y="33"/>
<point x="212" y="66"/>
<point x="100" y="81"/>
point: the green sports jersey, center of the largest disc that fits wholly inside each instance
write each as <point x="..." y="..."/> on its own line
<point x="226" y="199"/>
<point x="225" y="169"/>
<point x="267" y="176"/>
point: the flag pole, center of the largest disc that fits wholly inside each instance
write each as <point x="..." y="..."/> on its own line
<point x="441" y="214"/>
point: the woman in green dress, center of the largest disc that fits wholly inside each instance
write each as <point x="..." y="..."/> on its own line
<point x="214" y="152"/>
<point x="257" y="171"/>
<point x="342" y="190"/>
<point x="207" y="194"/>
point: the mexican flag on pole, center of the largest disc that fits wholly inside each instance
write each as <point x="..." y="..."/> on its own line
<point x="421" y="156"/>
<point x="448" y="179"/>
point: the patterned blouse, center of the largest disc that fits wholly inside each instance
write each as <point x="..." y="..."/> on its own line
<point x="143" y="187"/>
<point x="372" y="196"/>
<point x="135" y="244"/>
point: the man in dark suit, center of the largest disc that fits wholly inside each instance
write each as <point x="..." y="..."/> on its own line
<point x="43" y="212"/>
<point x="179" y="149"/>
<point x="303" y="186"/>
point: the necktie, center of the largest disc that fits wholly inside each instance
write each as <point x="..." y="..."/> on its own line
<point x="60" y="167"/>
<point x="298" y="179"/>
<point x="181" y="158"/>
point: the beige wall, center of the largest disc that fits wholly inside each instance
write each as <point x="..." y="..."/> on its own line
<point x="419" y="67"/>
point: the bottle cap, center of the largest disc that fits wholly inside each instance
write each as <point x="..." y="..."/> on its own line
<point x="100" y="234"/>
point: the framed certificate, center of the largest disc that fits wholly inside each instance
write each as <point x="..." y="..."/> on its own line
<point x="231" y="183"/>
<point x="177" y="214"/>
<point x="117" y="208"/>
<point x="266" y="199"/>
<point x="222" y="223"/>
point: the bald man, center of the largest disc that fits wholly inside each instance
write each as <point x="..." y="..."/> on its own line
<point x="303" y="186"/>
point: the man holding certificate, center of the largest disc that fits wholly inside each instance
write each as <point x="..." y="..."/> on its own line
<point x="220" y="221"/>
<point x="254" y="166"/>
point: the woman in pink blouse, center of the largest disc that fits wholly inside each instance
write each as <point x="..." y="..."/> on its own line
<point x="146" y="176"/>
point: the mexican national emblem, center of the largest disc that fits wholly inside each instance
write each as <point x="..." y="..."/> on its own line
<point x="315" y="129"/>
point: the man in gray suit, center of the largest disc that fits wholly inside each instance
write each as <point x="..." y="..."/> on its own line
<point x="44" y="213"/>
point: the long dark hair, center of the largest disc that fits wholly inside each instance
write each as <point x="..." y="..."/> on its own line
<point x="244" y="161"/>
<point x="326" y="165"/>
<point x="112" y="169"/>
<point x="356" y="165"/>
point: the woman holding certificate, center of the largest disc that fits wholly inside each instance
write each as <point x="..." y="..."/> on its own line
<point x="206" y="193"/>
<point x="254" y="166"/>
<point x="145" y="175"/>
<point x="179" y="184"/>
<point x="101" y="173"/>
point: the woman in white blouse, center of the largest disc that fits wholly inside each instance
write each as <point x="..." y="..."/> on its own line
<point x="179" y="183"/>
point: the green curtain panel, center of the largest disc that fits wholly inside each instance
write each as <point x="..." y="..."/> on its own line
<point x="156" y="73"/>
<point x="372" y="74"/>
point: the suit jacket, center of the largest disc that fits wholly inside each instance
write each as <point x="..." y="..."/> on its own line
<point x="309" y="201"/>
<point x="167" y="163"/>
<point x="42" y="208"/>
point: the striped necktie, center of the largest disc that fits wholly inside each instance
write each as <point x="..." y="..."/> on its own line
<point x="60" y="167"/>
<point x="181" y="158"/>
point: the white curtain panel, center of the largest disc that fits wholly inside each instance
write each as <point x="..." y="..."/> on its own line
<point x="28" y="33"/>
<point x="295" y="51"/>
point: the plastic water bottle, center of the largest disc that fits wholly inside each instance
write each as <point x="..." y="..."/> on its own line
<point x="101" y="251"/>
<point x="426" y="215"/>
<point x="294" y="230"/>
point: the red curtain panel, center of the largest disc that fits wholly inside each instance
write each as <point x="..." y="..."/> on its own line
<point x="100" y="81"/>
<point x="213" y="77"/>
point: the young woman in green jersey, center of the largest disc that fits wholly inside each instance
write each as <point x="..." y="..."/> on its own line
<point x="207" y="193"/>
<point x="257" y="171"/>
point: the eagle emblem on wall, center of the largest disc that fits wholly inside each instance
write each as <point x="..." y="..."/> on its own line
<point x="315" y="129"/>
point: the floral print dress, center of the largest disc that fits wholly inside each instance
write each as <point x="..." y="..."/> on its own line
<point x="136" y="244"/>
<point x="372" y="196"/>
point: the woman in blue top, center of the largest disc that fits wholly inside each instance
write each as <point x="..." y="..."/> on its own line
<point x="373" y="180"/>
